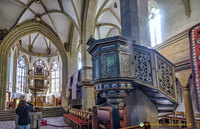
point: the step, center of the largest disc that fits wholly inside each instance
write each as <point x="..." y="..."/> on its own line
<point x="46" y="112"/>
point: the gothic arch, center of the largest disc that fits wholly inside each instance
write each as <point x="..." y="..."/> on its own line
<point x="15" y="34"/>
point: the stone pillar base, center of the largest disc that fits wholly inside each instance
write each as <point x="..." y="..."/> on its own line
<point x="88" y="95"/>
<point x="140" y="109"/>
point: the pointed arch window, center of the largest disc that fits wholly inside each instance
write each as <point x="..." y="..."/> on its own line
<point x="21" y="76"/>
<point x="155" y="26"/>
<point x="55" y="77"/>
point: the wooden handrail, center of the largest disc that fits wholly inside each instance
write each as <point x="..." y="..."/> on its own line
<point x="183" y="114"/>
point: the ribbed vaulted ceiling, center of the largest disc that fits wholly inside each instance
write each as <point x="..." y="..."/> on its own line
<point x="61" y="16"/>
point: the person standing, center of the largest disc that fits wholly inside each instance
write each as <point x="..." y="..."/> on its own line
<point x="22" y="111"/>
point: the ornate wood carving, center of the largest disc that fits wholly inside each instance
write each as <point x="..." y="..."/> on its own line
<point x="123" y="65"/>
<point x="165" y="77"/>
<point x="143" y="66"/>
<point x="109" y="65"/>
<point x="95" y="68"/>
<point x="125" y="62"/>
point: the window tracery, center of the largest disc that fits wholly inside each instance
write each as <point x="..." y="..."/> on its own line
<point x="55" y="77"/>
<point x="21" y="75"/>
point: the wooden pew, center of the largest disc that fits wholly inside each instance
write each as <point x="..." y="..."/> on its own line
<point x="78" y="118"/>
<point x="105" y="117"/>
<point x="122" y="117"/>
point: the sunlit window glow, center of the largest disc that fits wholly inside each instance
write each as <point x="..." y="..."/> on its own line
<point x="55" y="77"/>
<point x="79" y="61"/>
<point x="155" y="26"/>
<point x="21" y="76"/>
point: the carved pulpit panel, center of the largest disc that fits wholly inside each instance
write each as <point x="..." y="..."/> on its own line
<point x="143" y="70"/>
<point x="166" y="78"/>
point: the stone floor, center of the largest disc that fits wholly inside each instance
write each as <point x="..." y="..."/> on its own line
<point x="50" y="120"/>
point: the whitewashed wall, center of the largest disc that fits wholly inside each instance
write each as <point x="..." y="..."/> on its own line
<point x="173" y="18"/>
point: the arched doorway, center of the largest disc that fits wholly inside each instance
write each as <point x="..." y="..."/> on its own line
<point x="15" y="34"/>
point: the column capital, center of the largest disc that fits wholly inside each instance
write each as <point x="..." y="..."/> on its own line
<point x="186" y="89"/>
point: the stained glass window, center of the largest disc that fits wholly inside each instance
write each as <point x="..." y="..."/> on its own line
<point x="55" y="77"/>
<point x="21" y="75"/>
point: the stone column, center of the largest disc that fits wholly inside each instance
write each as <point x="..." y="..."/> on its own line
<point x="141" y="109"/>
<point x="88" y="96"/>
<point x="14" y="72"/>
<point x="135" y="20"/>
<point x="83" y="58"/>
<point x="188" y="108"/>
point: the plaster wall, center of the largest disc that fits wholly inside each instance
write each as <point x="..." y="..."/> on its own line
<point x="173" y="18"/>
<point x="177" y="51"/>
<point x="7" y="19"/>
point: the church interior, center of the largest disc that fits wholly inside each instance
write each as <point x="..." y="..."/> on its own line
<point x="101" y="64"/>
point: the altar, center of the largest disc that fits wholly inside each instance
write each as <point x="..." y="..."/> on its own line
<point x="38" y="83"/>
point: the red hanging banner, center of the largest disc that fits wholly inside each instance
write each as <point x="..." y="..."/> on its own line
<point x="194" y="37"/>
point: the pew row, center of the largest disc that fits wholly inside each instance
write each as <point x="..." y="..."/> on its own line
<point x="78" y="119"/>
<point x="103" y="117"/>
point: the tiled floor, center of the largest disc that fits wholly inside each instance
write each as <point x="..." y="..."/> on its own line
<point x="50" y="120"/>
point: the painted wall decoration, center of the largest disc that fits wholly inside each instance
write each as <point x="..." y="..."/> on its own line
<point x="194" y="37"/>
